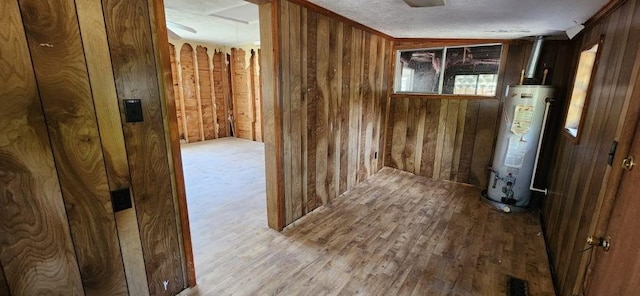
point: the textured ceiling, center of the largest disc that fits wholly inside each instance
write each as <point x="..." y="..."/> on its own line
<point x="484" y="19"/>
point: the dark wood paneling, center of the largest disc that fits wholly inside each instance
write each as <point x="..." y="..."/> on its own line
<point x="579" y="171"/>
<point x="36" y="249"/>
<point x="132" y="54"/>
<point x="333" y="89"/>
<point x="206" y="93"/>
<point x="63" y="81"/>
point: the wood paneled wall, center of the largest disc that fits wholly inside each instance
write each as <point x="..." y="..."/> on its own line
<point x="333" y="89"/>
<point x="454" y="139"/>
<point x="209" y="90"/>
<point x="579" y="171"/>
<point x="58" y="231"/>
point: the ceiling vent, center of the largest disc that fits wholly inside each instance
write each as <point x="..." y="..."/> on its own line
<point x="425" y="3"/>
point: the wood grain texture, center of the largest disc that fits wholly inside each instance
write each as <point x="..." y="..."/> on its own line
<point x="394" y="234"/>
<point x="177" y="94"/>
<point x="33" y="213"/>
<point x="99" y="66"/>
<point x="256" y="94"/>
<point x="206" y="93"/>
<point x="189" y="93"/>
<point x="272" y="122"/>
<point x="241" y="100"/>
<point x="222" y="93"/>
<point x="136" y="76"/>
<point x="333" y="89"/>
<point x="67" y="100"/>
<point x="579" y="172"/>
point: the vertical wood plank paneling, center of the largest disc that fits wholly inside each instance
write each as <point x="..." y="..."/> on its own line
<point x="430" y="137"/>
<point x="189" y="93"/>
<point x="65" y="91"/>
<point x="132" y="55"/>
<point x="295" y="68"/>
<point x="322" y="108"/>
<point x="332" y="80"/>
<point x="206" y="95"/>
<point x="468" y="137"/>
<point x="580" y="171"/>
<point x="94" y="38"/>
<point x="311" y="83"/>
<point x="221" y="93"/>
<point x="32" y="211"/>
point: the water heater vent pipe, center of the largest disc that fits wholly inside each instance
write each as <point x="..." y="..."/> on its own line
<point x="535" y="56"/>
<point x="535" y="164"/>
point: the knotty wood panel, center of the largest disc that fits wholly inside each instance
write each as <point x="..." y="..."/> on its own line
<point x="132" y="55"/>
<point x="240" y="91"/>
<point x="189" y="93"/>
<point x="176" y="90"/>
<point x="32" y="211"/>
<point x="578" y="171"/>
<point x="66" y="95"/>
<point x="333" y="84"/>
<point x="206" y="93"/>
<point x="222" y="93"/>
<point x="436" y="138"/>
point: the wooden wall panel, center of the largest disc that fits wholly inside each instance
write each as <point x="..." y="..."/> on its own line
<point x="190" y="93"/>
<point x="66" y="94"/>
<point x="241" y="99"/>
<point x="333" y="92"/>
<point x="222" y="93"/>
<point x="177" y="94"/>
<point x="132" y="55"/>
<point x="94" y="39"/>
<point x="36" y="249"/>
<point x="256" y="94"/>
<point x="206" y="93"/>
<point x="579" y="171"/>
<point x="436" y="138"/>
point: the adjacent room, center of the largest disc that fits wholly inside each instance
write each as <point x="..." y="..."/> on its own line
<point x="294" y="147"/>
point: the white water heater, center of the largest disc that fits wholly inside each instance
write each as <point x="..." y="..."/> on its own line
<point x="518" y="144"/>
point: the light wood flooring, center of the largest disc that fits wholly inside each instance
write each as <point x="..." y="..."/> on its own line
<point x="395" y="234"/>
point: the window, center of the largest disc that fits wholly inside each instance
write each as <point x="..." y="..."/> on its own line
<point x="580" y="92"/>
<point x="465" y="70"/>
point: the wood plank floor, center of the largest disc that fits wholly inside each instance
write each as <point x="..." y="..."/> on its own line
<point x="395" y="234"/>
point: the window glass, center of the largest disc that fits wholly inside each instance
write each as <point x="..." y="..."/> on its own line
<point x="581" y="85"/>
<point x="465" y="70"/>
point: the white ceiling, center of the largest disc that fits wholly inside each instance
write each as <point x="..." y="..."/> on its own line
<point x="482" y="19"/>
<point x="236" y="22"/>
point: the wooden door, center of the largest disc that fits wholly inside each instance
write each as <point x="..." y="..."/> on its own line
<point x="617" y="272"/>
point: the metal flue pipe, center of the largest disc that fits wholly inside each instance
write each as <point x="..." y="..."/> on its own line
<point x="535" y="56"/>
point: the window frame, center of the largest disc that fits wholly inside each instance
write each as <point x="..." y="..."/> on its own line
<point x="587" y="99"/>
<point x="440" y="45"/>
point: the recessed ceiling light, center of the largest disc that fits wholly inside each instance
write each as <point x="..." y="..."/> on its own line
<point x="425" y="3"/>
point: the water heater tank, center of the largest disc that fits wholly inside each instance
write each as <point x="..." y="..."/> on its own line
<point x="517" y="143"/>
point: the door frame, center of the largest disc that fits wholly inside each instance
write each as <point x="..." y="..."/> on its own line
<point x="271" y="125"/>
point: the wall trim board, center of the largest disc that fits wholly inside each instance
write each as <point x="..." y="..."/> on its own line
<point x="338" y="17"/>
<point x="173" y="141"/>
<point x="271" y="109"/>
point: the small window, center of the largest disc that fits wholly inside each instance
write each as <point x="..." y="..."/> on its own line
<point x="465" y="70"/>
<point x="580" y="92"/>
